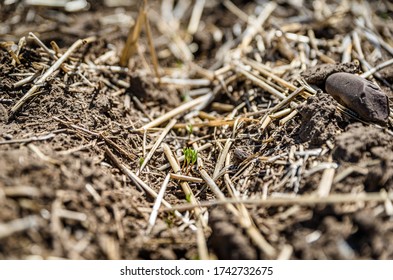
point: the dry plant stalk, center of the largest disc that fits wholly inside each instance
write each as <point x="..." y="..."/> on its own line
<point x="326" y="181"/>
<point x="131" y="45"/>
<point x="255" y="26"/>
<point x="303" y="200"/>
<point x="30" y="139"/>
<point x="132" y="40"/>
<point x="196" y="16"/>
<point x="256" y="80"/>
<point x="151" y="45"/>
<point x="157" y="143"/>
<point x="21" y="191"/>
<point x="186" y="178"/>
<point x="14" y="226"/>
<point x="203" y="252"/>
<point x="221" y="158"/>
<point x="157" y="204"/>
<point x="171" y="114"/>
<point x="377" y="68"/>
<point x="235" y="10"/>
<point x="267" y="72"/>
<point x="41" y="155"/>
<point x="217" y="122"/>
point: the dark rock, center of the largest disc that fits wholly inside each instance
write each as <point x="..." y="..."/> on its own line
<point x="359" y="95"/>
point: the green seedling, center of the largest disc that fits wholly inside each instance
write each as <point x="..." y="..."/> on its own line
<point x="190" y="156"/>
<point x="141" y="161"/>
<point x="189" y="129"/>
<point x="170" y="219"/>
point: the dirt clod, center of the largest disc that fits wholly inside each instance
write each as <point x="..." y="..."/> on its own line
<point x="357" y="141"/>
<point x="318" y="74"/>
<point x="320" y="119"/>
<point x="227" y="240"/>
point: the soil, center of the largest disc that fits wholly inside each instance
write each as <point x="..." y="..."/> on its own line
<point x="63" y="196"/>
<point x="227" y="240"/>
<point x="320" y="119"/>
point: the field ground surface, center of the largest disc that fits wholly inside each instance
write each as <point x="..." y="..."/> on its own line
<point x="192" y="130"/>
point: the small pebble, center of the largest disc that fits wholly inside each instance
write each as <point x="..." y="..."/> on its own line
<point x="360" y="95"/>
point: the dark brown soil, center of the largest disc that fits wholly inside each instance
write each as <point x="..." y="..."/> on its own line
<point x="227" y="240"/>
<point x="62" y="196"/>
<point x="320" y="120"/>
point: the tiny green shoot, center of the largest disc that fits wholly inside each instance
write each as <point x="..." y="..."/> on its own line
<point x="189" y="128"/>
<point x="141" y="160"/>
<point x="190" y="156"/>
